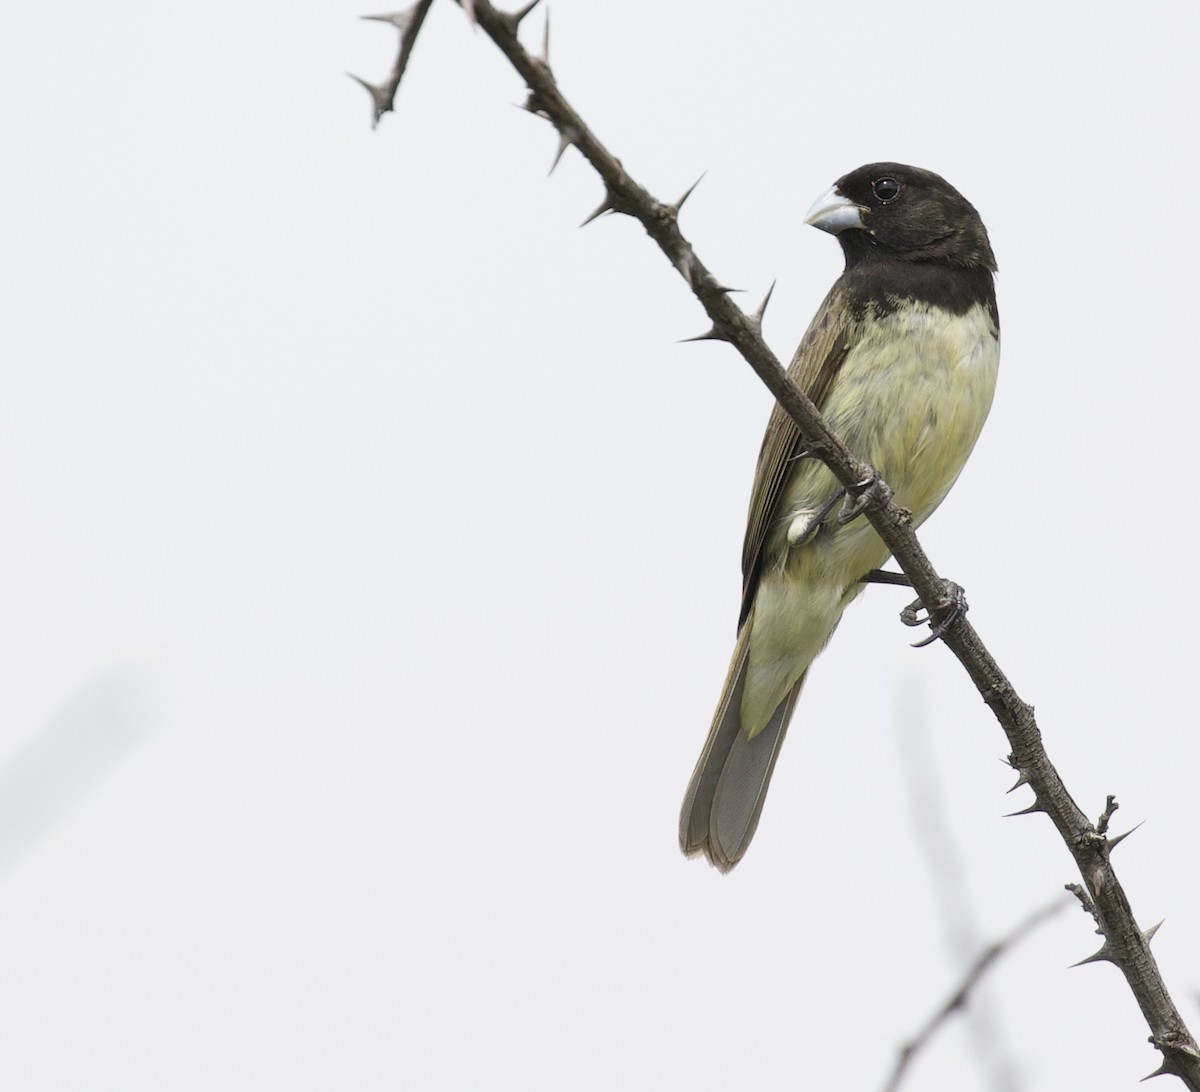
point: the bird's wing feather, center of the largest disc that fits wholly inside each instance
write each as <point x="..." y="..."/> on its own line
<point x="821" y="353"/>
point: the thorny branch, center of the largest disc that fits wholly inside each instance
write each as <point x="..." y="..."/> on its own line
<point x="1125" y="945"/>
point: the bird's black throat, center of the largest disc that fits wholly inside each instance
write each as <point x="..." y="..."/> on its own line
<point x="884" y="285"/>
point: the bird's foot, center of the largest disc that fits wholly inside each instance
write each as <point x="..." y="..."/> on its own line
<point x="871" y="492"/>
<point x="950" y="606"/>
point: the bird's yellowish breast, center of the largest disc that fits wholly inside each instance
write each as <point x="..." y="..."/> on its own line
<point x="911" y="398"/>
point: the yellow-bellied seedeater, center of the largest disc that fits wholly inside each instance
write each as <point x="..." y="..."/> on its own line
<point x="901" y="360"/>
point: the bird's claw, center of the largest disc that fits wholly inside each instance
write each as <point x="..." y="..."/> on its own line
<point x="949" y="608"/>
<point x="871" y="492"/>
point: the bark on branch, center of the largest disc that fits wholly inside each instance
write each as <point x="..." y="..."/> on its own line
<point x="1125" y="944"/>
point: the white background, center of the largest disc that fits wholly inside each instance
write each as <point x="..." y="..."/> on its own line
<point x="369" y="550"/>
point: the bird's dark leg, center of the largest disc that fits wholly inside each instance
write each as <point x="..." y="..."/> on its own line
<point x="882" y="576"/>
<point x="827" y="507"/>
<point x="870" y="491"/>
<point x="806" y="532"/>
<point x="951" y="605"/>
<point x="949" y="608"/>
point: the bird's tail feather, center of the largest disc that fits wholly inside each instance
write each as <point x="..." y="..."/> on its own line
<point x="725" y="796"/>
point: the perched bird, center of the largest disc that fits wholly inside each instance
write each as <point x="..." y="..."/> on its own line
<point x="901" y="360"/>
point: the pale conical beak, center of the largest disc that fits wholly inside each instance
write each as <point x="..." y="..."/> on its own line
<point x="834" y="213"/>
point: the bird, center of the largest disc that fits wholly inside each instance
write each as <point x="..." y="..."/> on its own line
<point x="901" y="360"/>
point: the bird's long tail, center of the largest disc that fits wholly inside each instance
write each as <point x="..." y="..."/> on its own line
<point x="725" y="796"/>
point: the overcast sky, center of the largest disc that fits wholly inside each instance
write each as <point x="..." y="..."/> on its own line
<point x="370" y="551"/>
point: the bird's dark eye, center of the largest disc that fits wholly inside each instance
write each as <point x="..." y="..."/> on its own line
<point x="886" y="189"/>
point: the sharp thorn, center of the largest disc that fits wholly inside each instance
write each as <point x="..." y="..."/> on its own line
<point x="398" y="19"/>
<point x="544" y="56"/>
<point x="1148" y="934"/>
<point x="1022" y="779"/>
<point x="1035" y="806"/>
<point x="513" y="19"/>
<point x="683" y="262"/>
<point x="565" y="140"/>
<point x="372" y="88"/>
<point x="379" y="97"/>
<point x="1163" y="1070"/>
<point x="688" y="193"/>
<point x="757" y="317"/>
<point x="1114" y="842"/>
<point x="603" y="209"/>
<point x="468" y="7"/>
<point x="531" y="105"/>
<point x="1103" y="955"/>
<point x="712" y="334"/>
<point x="613" y="202"/>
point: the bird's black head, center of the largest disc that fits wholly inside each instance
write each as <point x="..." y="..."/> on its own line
<point x="890" y="211"/>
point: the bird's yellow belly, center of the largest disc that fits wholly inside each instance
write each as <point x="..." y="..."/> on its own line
<point x="911" y="399"/>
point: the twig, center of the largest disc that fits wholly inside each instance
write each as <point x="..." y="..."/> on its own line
<point x="383" y="95"/>
<point x="1128" y="947"/>
<point x="959" y="997"/>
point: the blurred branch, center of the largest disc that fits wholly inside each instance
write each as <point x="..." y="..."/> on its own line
<point x="959" y="997"/>
<point x="946" y="861"/>
<point x="1125" y="944"/>
<point x="75" y="750"/>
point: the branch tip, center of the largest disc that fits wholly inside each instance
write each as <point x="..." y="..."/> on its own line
<point x="408" y="23"/>
<point x="1085" y="900"/>
<point x="1110" y="805"/>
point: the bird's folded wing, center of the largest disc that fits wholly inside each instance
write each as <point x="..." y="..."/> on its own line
<point x="821" y="353"/>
